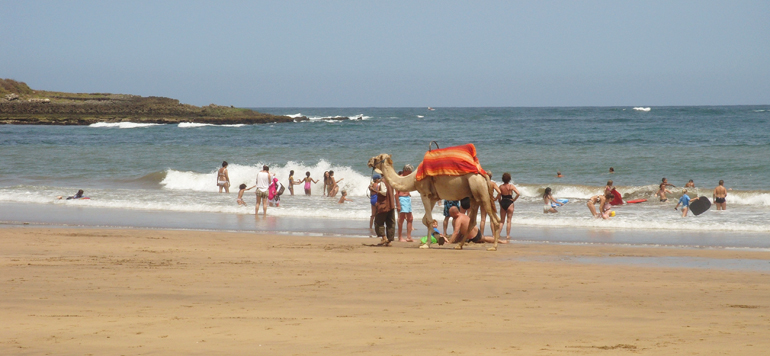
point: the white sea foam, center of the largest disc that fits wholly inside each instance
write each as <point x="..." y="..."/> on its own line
<point x="197" y="124"/>
<point x="420" y="116"/>
<point x="639" y="108"/>
<point x="122" y="125"/>
<point x="355" y="183"/>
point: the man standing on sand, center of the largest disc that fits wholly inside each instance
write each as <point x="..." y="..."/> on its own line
<point x="720" y="194"/>
<point x="263" y="184"/>
<point x="386" y="214"/>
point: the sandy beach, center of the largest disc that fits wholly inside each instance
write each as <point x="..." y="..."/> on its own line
<point x="161" y="292"/>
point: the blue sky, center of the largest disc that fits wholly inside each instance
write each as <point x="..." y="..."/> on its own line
<point x="395" y="53"/>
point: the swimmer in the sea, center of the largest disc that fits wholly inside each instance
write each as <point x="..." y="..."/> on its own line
<point x="662" y="192"/>
<point x="547" y="200"/>
<point x="78" y="195"/>
<point x="690" y="184"/>
<point x="344" y="197"/>
<point x="720" y="196"/>
<point x="307" y="181"/>
<point x="242" y="188"/>
<point x="559" y="175"/>
<point x="223" y="179"/>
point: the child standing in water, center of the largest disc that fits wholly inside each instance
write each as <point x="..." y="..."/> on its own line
<point x="685" y="202"/>
<point x="307" y="181"/>
<point x="240" y="194"/>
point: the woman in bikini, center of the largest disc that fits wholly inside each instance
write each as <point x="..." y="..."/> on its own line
<point x="333" y="187"/>
<point x="506" y="203"/>
<point x="326" y="183"/>
<point x="602" y="200"/>
<point x="292" y="182"/>
<point x="307" y="181"/>
<point x="223" y="179"/>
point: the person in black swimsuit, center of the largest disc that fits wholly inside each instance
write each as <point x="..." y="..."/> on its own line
<point x="506" y="202"/>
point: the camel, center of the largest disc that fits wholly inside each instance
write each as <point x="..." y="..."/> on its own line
<point x="433" y="189"/>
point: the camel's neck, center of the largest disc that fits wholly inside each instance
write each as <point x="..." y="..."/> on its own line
<point x="399" y="183"/>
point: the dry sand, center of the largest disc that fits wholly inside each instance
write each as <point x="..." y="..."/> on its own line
<point x="151" y="292"/>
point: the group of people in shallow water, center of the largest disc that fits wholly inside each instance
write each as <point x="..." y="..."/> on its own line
<point x="384" y="207"/>
<point x="269" y="189"/>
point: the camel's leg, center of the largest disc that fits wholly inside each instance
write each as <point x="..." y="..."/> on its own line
<point x="481" y="197"/>
<point x="427" y="219"/>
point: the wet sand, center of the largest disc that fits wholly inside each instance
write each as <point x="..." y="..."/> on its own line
<point x="138" y="292"/>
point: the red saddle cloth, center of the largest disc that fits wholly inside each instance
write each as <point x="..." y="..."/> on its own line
<point x="450" y="161"/>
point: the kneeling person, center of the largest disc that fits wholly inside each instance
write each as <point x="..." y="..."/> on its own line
<point x="461" y="231"/>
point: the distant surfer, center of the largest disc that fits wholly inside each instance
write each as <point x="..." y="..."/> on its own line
<point x="223" y="179"/>
<point x="720" y="196"/>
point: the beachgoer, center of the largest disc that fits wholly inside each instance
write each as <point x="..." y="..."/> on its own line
<point x="690" y="184"/>
<point x="333" y="183"/>
<point x="263" y="184"/>
<point x="507" y="199"/>
<point x="606" y="212"/>
<point x="223" y="179"/>
<point x="274" y="193"/>
<point x="78" y="195"/>
<point x="493" y="198"/>
<point x="720" y="196"/>
<point x="404" y="208"/>
<point x="386" y="214"/>
<point x="344" y="196"/>
<point x="612" y="170"/>
<point x="547" y="200"/>
<point x="307" y="181"/>
<point x="242" y="188"/>
<point x="448" y="204"/>
<point x="602" y="200"/>
<point x="662" y="192"/>
<point x="326" y="183"/>
<point x="440" y="239"/>
<point x="685" y="202"/>
<point x="610" y="187"/>
<point x="559" y="175"/>
<point x="374" y="187"/>
<point x="460" y="229"/>
<point x="292" y="182"/>
<point x="665" y="182"/>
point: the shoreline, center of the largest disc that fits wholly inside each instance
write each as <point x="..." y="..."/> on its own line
<point x="100" y="291"/>
<point x="17" y="214"/>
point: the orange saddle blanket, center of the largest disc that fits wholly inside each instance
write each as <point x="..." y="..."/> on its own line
<point x="450" y="161"/>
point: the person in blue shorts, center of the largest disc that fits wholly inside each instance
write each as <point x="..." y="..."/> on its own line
<point x="447" y="205"/>
<point x="404" y="208"/>
<point x="684" y="201"/>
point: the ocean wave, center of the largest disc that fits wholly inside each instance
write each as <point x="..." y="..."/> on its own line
<point x="122" y="125"/>
<point x="639" y="108"/>
<point x="355" y="183"/>
<point x="197" y="124"/>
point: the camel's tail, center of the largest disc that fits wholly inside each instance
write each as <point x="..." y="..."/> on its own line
<point x="491" y="192"/>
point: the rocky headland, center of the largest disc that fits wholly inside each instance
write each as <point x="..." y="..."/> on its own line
<point x="21" y="105"/>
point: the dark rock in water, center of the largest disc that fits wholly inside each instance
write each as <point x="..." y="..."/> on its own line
<point x="336" y="118"/>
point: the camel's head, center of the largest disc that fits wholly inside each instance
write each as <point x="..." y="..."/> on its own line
<point x="377" y="161"/>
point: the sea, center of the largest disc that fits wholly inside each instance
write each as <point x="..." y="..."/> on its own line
<point x="164" y="176"/>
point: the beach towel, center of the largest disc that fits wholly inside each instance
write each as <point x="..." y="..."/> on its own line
<point x="450" y="161"/>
